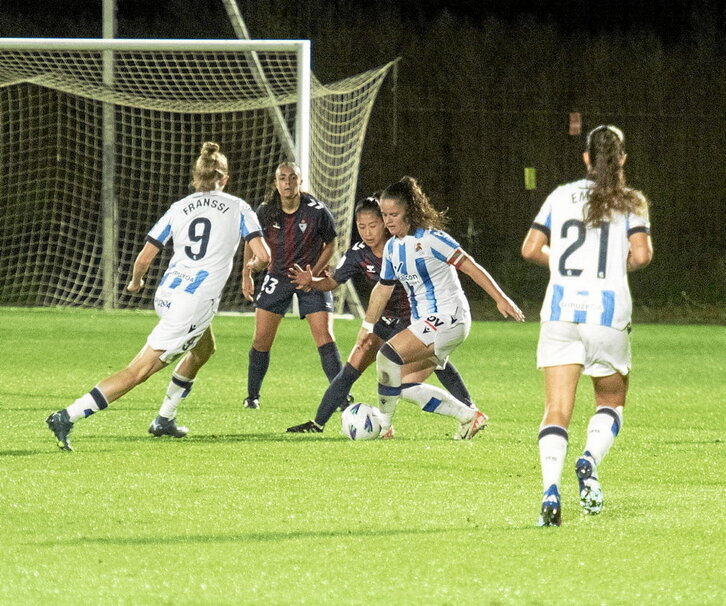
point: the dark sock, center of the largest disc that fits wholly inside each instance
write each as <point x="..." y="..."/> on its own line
<point x="336" y="393"/>
<point x="330" y="359"/>
<point x="256" y="371"/>
<point x="454" y="384"/>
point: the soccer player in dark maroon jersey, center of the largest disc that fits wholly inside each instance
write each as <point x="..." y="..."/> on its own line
<point x="299" y="230"/>
<point x="365" y="258"/>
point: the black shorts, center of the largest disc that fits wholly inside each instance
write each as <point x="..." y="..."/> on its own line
<point x="387" y="327"/>
<point x="276" y="296"/>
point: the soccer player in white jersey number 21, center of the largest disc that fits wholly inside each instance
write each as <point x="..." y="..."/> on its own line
<point x="590" y="233"/>
<point x="206" y="228"/>
<point x="425" y="259"/>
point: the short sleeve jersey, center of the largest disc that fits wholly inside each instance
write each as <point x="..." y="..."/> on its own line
<point x="359" y="259"/>
<point x="425" y="263"/>
<point x="588" y="264"/>
<point x="298" y="237"/>
<point x="205" y="228"/>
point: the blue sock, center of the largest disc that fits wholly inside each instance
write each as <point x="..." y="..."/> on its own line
<point x="330" y="359"/>
<point x="336" y="393"/>
<point x="454" y="384"/>
<point x="256" y="371"/>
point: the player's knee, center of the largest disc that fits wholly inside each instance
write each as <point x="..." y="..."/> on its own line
<point x="388" y="365"/>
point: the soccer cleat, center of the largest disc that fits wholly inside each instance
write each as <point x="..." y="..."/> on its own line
<point x="348" y="401"/>
<point x="253" y="403"/>
<point x="591" y="497"/>
<point x="161" y="426"/>
<point x="308" y="427"/>
<point x="60" y="424"/>
<point x="389" y="434"/>
<point x="551" y="512"/>
<point x="469" y="429"/>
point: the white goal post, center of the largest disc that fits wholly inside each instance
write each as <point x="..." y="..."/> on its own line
<point x="166" y="97"/>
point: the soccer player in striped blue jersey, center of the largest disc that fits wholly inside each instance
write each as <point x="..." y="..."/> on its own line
<point x="364" y="258"/>
<point x="425" y="260"/>
<point x="589" y="233"/>
<point x="300" y="230"/>
<point x="205" y="228"/>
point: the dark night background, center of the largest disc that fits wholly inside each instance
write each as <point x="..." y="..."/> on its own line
<point x="484" y="89"/>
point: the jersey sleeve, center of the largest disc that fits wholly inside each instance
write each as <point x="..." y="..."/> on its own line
<point x="347" y="267"/>
<point x="388" y="275"/>
<point x="160" y="234"/>
<point x="327" y="225"/>
<point x="445" y="248"/>
<point x="543" y="220"/>
<point x="638" y="223"/>
<point x="249" y="223"/>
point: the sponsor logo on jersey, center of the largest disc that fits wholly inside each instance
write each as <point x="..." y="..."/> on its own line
<point x="163" y="303"/>
<point x="408" y="278"/>
<point x="371" y="268"/>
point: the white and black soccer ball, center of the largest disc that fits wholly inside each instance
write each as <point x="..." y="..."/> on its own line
<point x="360" y="422"/>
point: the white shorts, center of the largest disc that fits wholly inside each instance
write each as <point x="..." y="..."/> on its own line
<point x="183" y="318"/>
<point x="601" y="350"/>
<point x="445" y="331"/>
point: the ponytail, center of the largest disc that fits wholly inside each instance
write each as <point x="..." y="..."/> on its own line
<point x="609" y="194"/>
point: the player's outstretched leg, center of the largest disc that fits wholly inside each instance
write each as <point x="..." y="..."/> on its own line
<point x="435" y="400"/>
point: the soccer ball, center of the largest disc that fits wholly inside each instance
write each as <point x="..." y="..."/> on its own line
<point x="360" y="422"/>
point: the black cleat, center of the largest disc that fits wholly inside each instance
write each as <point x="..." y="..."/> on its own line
<point x="161" y="426"/>
<point x="253" y="403"/>
<point x="309" y="427"/>
<point x="348" y="401"/>
<point x="60" y="424"/>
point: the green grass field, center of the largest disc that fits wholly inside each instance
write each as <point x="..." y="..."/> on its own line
<point x="241" y="513"/>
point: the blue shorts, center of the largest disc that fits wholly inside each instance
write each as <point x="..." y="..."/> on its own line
<point x="276" y="296"/>
<point x="386" y="328"/>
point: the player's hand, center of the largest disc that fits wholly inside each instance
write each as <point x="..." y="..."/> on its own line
<point x="303" y="278"/>
<point x="248" y="285"/>
<point x="508" y="308"/>
<point x="135" y="286"/>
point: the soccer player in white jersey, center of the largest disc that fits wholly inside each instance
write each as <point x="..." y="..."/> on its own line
<point x="424" y="259"/>
<point x="205" y="227"/>
<point x="590" y="233"/>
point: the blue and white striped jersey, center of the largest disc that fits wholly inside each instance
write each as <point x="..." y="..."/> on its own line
<point x="425" y="263"/>
<point x="205" y="228"/>
<point x="588" y="265"/>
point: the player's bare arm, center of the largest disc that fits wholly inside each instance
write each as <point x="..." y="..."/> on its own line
<point x="380" y="295"/>
<point x="256" y="257"/>
<point x="535" y="248"/>
<point x="141" y="267"/>
<point x="305" y="280"/>
<point x="481" y="276"/>
<point x="641" y="251"/>
<point x="324" y="259"/>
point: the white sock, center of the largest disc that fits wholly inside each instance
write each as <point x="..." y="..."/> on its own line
<point x="552" y="451"/>
<point x="87" y="404"/>
<point x="434" y="399"/>
<point x="178" y="389"/>
<point x="604" y="425"/>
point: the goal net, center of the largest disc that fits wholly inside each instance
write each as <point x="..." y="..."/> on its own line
<point x="99" y="137"/>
